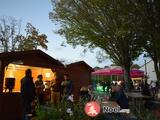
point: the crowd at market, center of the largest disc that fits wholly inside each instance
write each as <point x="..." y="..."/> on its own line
<point x="150" y="89"/>
<point x="31" y="91"/>
<point x="63" y="90"/>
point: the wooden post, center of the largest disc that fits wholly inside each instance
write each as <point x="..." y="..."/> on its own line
<point x="2" y="68"/>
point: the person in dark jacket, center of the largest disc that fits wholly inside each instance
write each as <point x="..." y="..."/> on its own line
<point x="27" y="91"/>
<point x="67" y="86"/>
<point x="119" y="96"/>
<point x="84" y="94"/>
<point x="145" y="88"/>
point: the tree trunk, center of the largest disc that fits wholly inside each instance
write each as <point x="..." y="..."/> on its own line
<point x="156" y="66"/>
<point x="127" y="78"/>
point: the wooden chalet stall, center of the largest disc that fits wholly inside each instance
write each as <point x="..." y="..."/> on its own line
<point x="80" y="74"/>
<point x="14" y="64"/>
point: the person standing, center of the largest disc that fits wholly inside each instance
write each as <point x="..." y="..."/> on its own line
<point x="27" y="92"/>
<point x="67" y="87"/>
<point x="104" y="85"/>
<point x="84" y="94"/>
<point x="145" y="88"/>
<point x="153" y="88"/>
<point x="39" y="89"/>
<point x="55" y="89"/>
<point x="108" y="85"/>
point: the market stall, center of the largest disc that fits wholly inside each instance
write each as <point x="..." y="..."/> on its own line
<point x="13" y="65"/>
<point x="114" y="74"/>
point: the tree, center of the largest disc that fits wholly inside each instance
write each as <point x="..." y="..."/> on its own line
<point x="106" y="24"/>
<point x="113" y="65"/>
<point x="12" y="40"/>
<point x="9" y="27"/>
<point x="148" y="15"/>
<point x="135" y="66"/>
<point x="97" y="68"/>
<point x="32" y="40"/>
<point x="106" y="66"/>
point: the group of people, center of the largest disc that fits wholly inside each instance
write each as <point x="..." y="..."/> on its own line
<point x="117" y="92"/>
<point x="61" y="88"/>
<point x="147" y="89"/>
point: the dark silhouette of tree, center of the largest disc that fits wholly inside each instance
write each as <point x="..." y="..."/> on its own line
<point x="136" y="66"/>
<point x="107" y="24"/>
<point x="97" y="68"/>
<point x="147" y="13"/>
<point x="11" y="38"/>
<point x="32" y="40"/>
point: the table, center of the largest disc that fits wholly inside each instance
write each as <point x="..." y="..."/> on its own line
<point x="109" y="103"/>
<point x="136" y="95"/>
<point x="137" y="98"/>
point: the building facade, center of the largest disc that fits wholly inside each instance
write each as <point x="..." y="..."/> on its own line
<point x="149" y="71"/>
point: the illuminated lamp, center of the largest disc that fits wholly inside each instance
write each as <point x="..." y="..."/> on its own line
<point x="48" y="75"/>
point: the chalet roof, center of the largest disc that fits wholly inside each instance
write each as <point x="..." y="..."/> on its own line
<point x="31" y="57"/>
<point x="81" y="63"/>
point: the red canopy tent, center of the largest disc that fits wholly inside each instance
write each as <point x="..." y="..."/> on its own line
<point x="118" y="71"/>
<point x="137" y="73"/>
<point x="102" y="72"/>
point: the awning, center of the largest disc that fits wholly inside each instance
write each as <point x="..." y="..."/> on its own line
<point x="139" y="78"/>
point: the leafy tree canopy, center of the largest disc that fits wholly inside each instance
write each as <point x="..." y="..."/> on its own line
<point x="98" y="23"/>
<point x="11" y="38"/>
<point x="147" y="14"/>
<point x="107" y="24"/>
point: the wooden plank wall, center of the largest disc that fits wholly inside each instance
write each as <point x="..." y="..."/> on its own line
<point x="10" y="106"/>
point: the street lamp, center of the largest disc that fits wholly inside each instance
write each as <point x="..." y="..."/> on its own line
<point x="145" y="65"/>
